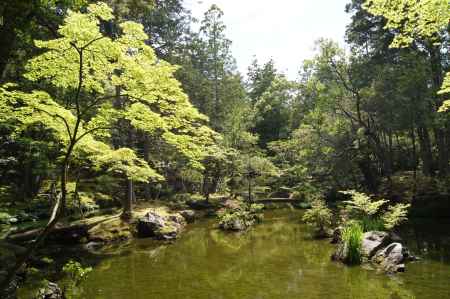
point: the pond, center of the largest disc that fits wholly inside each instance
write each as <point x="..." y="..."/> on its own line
<point x="276" y="259"/>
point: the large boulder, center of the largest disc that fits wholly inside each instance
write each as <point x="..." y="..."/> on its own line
<point x="391" y="259"/>
<point x="160" y="226"/>
<point x="149" y="224"/>
<point x="374" y="241"/>
<point x="237" y="225"/>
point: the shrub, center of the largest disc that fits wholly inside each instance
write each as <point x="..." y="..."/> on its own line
<point x="361" y="204"/>
<point x="352" y="235"/>
<point x="319" y="216"/>
<point x="395" y="215"/>
<point x="369" y="213"/>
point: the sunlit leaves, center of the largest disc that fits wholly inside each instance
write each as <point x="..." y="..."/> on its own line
<point x="362" y="203"/>
<point x="91" y="69"/>
<point x="395" y="215"/>
<point x="36" y="107"/>
<point x="413" y="19"/>
<point x="124" y="162"/>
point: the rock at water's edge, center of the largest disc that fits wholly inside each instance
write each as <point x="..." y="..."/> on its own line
<point x="377" y="247"/>
<point x="51" y="291"/>
<point x="374" y="241"/>
<point x="391" y="259"/>
<point x="163" y="227"/>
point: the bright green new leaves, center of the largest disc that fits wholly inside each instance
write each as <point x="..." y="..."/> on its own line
<point x="124" y="163"/>
<point x="157" y="103"/>
<point x="395" y="215"/>
<point x="94" y="73"/>
<point x="25" y="109"/>
<point x="82" y="52"/>
<point x="423" y="19"/>
<point x="412" y="18"/>
<point x="362" y="203"/>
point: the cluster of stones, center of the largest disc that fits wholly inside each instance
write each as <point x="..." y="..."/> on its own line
<point x="382" y="249"/>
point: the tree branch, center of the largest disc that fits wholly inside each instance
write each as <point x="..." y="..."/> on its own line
<point x="91" y="131"/>
<point x="60" y="117"/>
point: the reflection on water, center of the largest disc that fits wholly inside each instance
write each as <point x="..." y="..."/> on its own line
<point x="276" y="259"/>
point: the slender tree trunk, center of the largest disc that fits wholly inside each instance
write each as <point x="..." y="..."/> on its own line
<point x="425" y="150"/>
<point x="440" y="132"/>
<point x="146" y="153"/>
<point x="414" y="154"/>
<point x="441" y="143"/>
<point x="128" y="201"/>
<point x="370" y="178"/>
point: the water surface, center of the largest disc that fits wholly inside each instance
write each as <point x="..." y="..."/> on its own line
<point x="276" y="259"/>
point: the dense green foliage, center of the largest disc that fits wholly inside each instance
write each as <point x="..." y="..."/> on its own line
<point x="107" y="104"/>
<point x="340" y="126"/>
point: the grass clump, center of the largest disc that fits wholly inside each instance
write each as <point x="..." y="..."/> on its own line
<point x="352" y="235"/>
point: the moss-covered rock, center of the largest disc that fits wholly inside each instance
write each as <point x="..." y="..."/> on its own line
<point x="110" y="230"/>
<point x="160" y="224"/>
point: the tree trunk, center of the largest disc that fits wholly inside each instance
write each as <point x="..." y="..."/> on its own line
<point x="425" y="150"/>
<point x="128" y="201"/>
<point x="370" y="178"/>
<point x="414" y="154"/>
<point x="146" y="153"/>
<point x="441" y="143"/>
<point x="439" y="132"/>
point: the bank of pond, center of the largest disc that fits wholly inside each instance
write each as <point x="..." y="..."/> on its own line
<point x="277" y="258"/>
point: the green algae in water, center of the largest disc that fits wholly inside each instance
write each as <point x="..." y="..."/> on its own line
<point x="276" y="259"/>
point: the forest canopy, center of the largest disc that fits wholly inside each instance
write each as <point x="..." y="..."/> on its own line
<point x="109" y="105"/>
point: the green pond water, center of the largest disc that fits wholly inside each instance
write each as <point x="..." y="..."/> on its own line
<point x="276" y="259"/>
